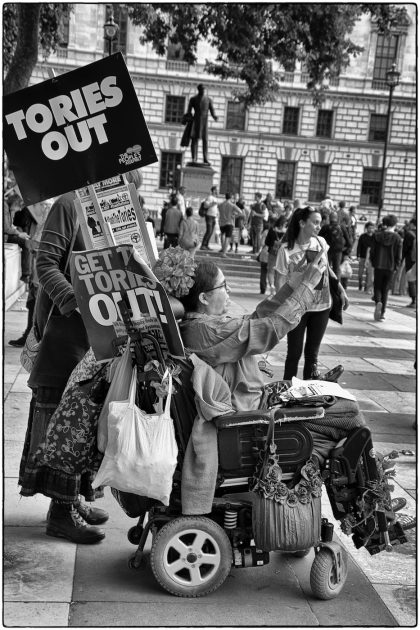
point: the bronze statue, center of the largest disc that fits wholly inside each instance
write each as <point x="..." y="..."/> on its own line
<point x="196" y="125"/>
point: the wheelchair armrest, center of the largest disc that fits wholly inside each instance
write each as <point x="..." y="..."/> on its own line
<point x="262" y="416"/>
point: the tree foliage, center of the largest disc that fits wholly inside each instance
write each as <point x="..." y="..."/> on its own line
<point x="27" y="29"/>
<point x="254" y="41"/>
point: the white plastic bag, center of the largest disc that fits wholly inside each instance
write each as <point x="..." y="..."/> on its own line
<point x="345" y="269"/>
<point x="118" y="390"/>
<point x="141" y="453"/>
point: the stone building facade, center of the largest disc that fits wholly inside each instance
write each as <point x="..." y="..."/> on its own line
<point x="289" y="147"/>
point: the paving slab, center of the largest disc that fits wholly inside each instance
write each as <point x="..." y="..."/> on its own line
<point x="16" y="411"/>
<point x="369" y="351"/>
<point x="402" y="600"/>
<point x="402" y="382"/>
<point x="357" y="380"/>
<point x="23" y="511"/>
<point x="394" y="366"/>
<point x="357" y="605"/>
<point x="37" y="568"/>
<point x="11" y="459"/>
<point x="400" y="423"/>
<point x="36" y="614"/>
<point x="192" y="613"/>
<point x="392" y="402"/>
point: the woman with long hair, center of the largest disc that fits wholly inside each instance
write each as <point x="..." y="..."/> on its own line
<point x="299" y="249"/>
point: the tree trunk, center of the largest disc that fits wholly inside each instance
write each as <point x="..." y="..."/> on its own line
<point x="26" y="52"/>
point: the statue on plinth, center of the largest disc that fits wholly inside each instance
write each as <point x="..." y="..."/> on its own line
<point x="196" y="124"/>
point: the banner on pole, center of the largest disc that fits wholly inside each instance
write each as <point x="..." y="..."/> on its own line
<point x="101" y="279"/>
<point x="76" y="129"/>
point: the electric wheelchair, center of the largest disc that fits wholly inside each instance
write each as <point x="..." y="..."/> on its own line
<point x="191" y="556"/>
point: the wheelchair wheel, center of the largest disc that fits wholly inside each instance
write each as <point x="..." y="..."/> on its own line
<point x="324" y="582"/>
<point x="191" y="556"/>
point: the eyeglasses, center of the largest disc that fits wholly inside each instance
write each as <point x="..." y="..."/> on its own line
<point x="219" y="286"/>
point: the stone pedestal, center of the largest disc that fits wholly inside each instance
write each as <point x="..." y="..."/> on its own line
<point x="197" y="179"/>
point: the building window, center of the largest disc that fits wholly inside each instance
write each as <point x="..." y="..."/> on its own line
<point x="291" y="121"/>
<point x="386" y="55"/>
<point x="324" y="123"/>
<point x="285" y="179"/>
<point x="377" y="128"/>
<point x="119" y="44"/>
<point x="231" y="177"/>
<point x="318" y="184"/>
<point x="169" y="171"/>
<point x="371" y="186"/>
<point x="235" y="117"/>
<point x="174" y="110"/>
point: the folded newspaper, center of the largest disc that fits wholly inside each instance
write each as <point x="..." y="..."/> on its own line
<point x="305" y="389"/>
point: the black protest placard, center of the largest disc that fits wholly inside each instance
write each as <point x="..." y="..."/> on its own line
<point x="74" y="130"/>
<point x="101" y="279"/>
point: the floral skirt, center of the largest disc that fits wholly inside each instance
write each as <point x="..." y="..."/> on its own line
<point x="35" y="477"/>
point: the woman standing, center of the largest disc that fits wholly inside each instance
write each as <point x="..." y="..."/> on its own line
<point x="188" y="232"/>
<point x="294" y="255"/>
<point x="273" y="240"/>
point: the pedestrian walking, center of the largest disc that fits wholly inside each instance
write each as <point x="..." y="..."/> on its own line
<point x="256" y="221"/>
<point x="188" y="232"/>
<point x="409" y="254"/>
<point x="362" y="252"/>
<point x="227" y="213"/>
<point x="31" y="219"/>
<point x="273" y="240"/>
<point x="173" y="218"/>
<point x="338" y="242"/>
<point x="212" y="212"/>
<point x="385" y="256"/>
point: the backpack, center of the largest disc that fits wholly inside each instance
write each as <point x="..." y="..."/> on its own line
<point x="337" y="241"/>
<point x="202" y="210"/>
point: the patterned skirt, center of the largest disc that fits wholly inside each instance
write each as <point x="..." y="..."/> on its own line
<point x="35" y="477"/>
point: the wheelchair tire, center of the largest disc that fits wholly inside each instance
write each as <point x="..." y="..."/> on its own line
<point x="191" y="556"/>
<point x="324" y="583"/>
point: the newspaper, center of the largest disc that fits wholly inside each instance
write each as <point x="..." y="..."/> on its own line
<point x="102" y="279"/>
<point x="305" y="389"/>
<point x="110" y="214"/>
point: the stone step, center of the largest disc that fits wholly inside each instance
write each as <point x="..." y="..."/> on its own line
<point x="245" y="265"/>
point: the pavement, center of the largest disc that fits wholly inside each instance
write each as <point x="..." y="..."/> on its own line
<point x="51" y="582"/>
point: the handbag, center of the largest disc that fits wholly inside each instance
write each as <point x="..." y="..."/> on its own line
<point x="141" y="453"/>
<point x="285" y="516"/>
<point x="33" y="341"/>
<point x="336" y="312"/>
<point x="70" y="444"/>
<point x="263" y="255"/>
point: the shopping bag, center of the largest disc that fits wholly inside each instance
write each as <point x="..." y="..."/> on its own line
<point x="141" y="452"/>
<point x="119" y="389"/>
<point x="70" y="442"/>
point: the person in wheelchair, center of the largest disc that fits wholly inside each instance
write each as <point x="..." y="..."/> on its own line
<point x="233" y="346"/>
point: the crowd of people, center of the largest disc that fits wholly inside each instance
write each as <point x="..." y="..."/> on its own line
<point x="302" y="255"/>
<point x="263" y="226"/>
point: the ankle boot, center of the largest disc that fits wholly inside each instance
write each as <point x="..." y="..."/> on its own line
<point x="64" y="521"/>
<point x="311" y="374"/>
<point x="92" y="515"/>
